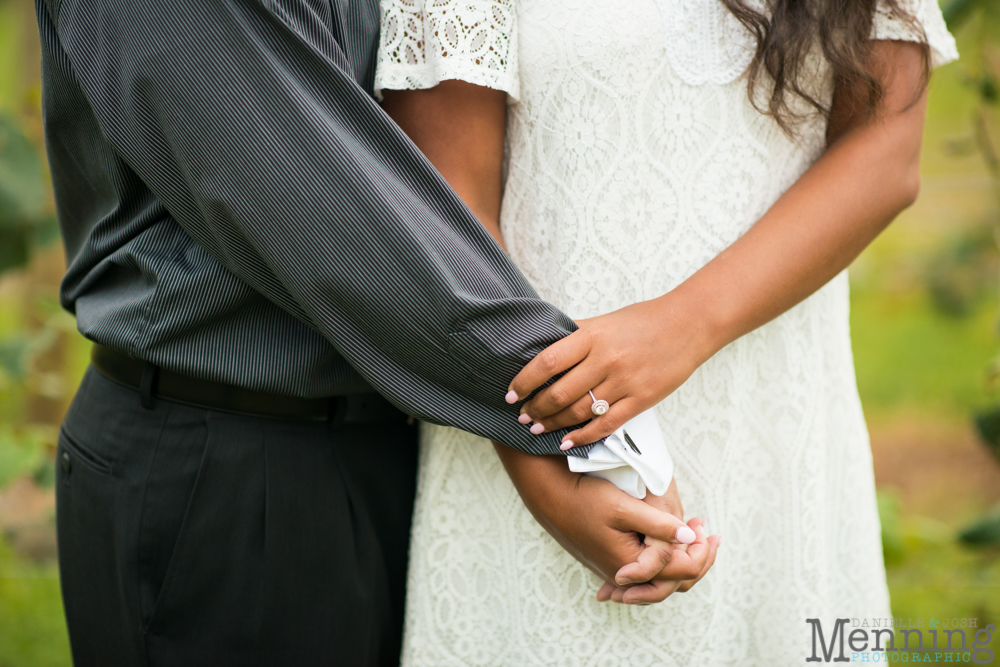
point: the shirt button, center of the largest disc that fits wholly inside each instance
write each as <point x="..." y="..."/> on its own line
<point x="66" y="463"/>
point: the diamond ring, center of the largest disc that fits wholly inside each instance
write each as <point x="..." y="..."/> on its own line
<point x="599" y="407"/>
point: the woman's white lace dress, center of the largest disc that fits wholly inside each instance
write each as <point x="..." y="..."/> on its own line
<point x="635" y="158"/>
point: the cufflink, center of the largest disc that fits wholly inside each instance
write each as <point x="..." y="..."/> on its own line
<point x="631" y="443"/>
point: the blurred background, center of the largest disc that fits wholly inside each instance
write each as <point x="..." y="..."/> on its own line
<point x="925" y="322"/>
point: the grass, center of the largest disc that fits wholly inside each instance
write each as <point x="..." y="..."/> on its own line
<point x="32" y="627"/>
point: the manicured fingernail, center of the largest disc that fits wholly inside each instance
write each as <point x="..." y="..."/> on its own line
<point x="524" y="418"/>
<point x="511" y="396"/>
<point x="537" y="429"/>
<point x="719" y="543"/>
<point x="568" y="444"/>
<point x="685" y="535"/>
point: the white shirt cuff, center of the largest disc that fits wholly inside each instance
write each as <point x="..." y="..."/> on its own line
<point x="634" y="458"/>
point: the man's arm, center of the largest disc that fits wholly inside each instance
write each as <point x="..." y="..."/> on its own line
<point x="243" y="118"/>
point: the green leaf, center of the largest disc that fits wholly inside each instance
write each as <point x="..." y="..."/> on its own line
<point x="956" y="12"/>
<point x="14" y="248"/>
<point x="984" y="532"/>
<point x="22" y="184"/>
<point x="25" y="222"/>
<point x="14" y="357"/>
<point x="19" y="455"/>
<point x="987" y="424"/>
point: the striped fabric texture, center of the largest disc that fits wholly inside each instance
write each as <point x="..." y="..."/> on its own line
<point x="235" y="206"/>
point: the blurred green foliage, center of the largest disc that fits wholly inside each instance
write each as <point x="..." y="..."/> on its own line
<point x="32" y="627"/>
<point x="26" y="222"/>
<point x="924" y="325"/>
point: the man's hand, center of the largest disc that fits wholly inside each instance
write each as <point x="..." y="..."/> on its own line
<point x="648" y="579"/>
<point x="602" y="527"/>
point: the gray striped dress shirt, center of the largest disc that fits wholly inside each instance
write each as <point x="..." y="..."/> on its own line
<point x="236" y="207"/>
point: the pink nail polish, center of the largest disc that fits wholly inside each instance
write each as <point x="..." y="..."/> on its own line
<point x="537" y="429"/>
<point x="511" y="396"/>
<point x="567" y="444"/>
<point x="685" y="535"/>
<point x="524" y="418"/>
<point x="719" y="543"/>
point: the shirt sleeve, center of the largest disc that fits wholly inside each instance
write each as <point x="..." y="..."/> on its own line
<point x="425" y="42"/>
<point x="635" y="458"/>
<point x="924" y="22"/>
<point x="244" y="120"/>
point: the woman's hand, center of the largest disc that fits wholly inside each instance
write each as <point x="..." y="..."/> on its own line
<point x="636" y="356"/>
<point x="632" y="358"/>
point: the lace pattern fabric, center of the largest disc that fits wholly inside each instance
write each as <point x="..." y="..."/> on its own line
<point x="623" y="179"/>
<point x="424" y="42"/>
<point x="929" y="25"/>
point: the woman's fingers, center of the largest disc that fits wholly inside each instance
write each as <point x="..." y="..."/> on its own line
<point x="691" y="564"/>
<point x="713" y="541"/>
<point x="569" y="390"/>
<point x="660" y="589"/>
<point x="556" y="358"/>
<point x="687" y="561"/>
<point x="601" y="427"/>
<point x="576" y="413"/>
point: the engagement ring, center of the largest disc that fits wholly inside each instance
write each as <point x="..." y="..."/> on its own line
<point x="599" y="407"/>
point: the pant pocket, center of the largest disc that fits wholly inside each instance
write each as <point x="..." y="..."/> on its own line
<point x="167" y="495"/>
<point x="89" y="529"/>
<point x="72" y="452"/>
<point x="209" y="591"/>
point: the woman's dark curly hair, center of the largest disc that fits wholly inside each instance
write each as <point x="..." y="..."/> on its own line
<point x="787" y="32"/>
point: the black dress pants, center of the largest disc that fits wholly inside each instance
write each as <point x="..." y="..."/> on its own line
<point x="193" y="537"/>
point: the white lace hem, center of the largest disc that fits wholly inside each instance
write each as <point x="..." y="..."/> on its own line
<point x="887" y="26"/>
<point x="424" y="42"/>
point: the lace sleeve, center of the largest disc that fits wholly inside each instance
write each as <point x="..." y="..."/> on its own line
<point x="888" y="26"/>
<point x="423" y="42"/>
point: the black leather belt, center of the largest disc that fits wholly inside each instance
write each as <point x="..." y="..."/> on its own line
<point x="152" y="381"/>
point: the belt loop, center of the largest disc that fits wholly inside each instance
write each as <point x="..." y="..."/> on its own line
<point x="147" y="385"/>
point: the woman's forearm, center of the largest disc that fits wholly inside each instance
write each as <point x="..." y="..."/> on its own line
<point x="636" y="356"/>
<point x="818" y="227"/>
<point x="460" y="128"/>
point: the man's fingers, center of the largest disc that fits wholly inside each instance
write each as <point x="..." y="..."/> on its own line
<point x="653" y="558"/>
<point x="556" y="358"/>
<point x="635" y="515"/>
<point x="651" y="593"/>
<point x="604" y="593"/>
